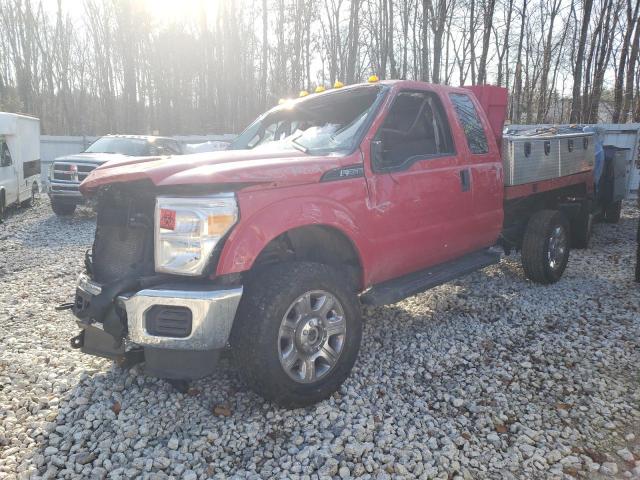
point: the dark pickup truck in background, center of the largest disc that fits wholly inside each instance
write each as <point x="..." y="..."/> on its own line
<point x="361" y="195"/>
<point x="69" y="171"/>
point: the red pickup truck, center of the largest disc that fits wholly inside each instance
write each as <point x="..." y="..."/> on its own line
<point x="361" y="195"/>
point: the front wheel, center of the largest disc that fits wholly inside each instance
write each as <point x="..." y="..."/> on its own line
<point x="62" y="209"/>
<point x="545" y="246"/>
<point x="297" y="333"/>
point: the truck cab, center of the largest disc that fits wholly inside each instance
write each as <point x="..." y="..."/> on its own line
<point x="361" y="195"/>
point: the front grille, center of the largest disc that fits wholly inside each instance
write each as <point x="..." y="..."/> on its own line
<point x="123" y="245"/>
<point x="71" y="172"/>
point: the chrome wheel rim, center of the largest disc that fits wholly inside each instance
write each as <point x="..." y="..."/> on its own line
<point x="311" y="337"/>
<point x="557" y="247"/>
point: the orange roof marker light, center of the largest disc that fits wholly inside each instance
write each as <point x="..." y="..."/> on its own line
<point x="303" y="93"/>
<point x="320" y="89"/>
<point x="373" y="79"/>
<point x="338" y="84"/>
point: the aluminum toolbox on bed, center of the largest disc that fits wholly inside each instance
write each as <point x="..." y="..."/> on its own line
<point x="529" y="159"/>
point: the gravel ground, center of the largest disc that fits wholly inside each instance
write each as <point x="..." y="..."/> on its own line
<point x="486" y="377"/>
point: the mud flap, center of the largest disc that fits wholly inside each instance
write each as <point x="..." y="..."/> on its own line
<point x="95" y="341"/>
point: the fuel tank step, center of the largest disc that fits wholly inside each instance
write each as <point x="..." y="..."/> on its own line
<point x="393" y="291"/>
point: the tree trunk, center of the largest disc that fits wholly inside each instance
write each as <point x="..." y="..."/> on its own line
<point x="265" y="54"/>
<point x="353" y="35"/>
<point x="505" y="46"/>
<point x="425" y="40"/>
<point x="546" y="64"/>
<point x="632" y="15"/>
<point x="489" y="8"/>
<point x="516" y="109"/>
<point x="472" y="42"/>
<point x="608" y="37"/>
<point x="631" y="72"/>
<point x="574" y="117"/>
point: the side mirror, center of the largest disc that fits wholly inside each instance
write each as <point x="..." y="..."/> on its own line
<point x="377" y="153"/>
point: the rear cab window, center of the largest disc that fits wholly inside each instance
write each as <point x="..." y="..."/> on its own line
<point x="470" y="122"/>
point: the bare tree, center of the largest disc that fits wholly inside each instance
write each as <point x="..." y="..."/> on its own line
<point x="119" y="69"/>
<point x="577" y="71"/>
<point x="488" y="8"/>
<point x="631" y="16"/>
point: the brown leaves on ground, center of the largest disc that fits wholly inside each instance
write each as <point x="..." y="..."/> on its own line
<point x="222" y="411"/>
<point x="571" y="471"/>
<point x="116" y="407"/>
<point x="597" y="457"/>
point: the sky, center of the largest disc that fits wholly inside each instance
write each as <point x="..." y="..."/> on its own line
<point x="163" y="11"/>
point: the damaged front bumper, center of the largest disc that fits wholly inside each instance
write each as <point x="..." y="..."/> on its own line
<point x="180" y="327"/>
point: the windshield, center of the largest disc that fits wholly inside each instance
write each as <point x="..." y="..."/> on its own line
<point x="332" y="122"/>
<point x="125" y="146"/>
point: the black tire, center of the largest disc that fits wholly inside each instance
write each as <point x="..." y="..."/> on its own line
<point x="270" y="294"/>
<point x="539" y="264"/>
<point x="32" y="199"/>
<point x="581" y="226"/>
<point x="612" y="212"/>
<point x="63" y="209"/>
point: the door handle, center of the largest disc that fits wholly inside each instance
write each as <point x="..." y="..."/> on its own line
<point x="465" y="180"/>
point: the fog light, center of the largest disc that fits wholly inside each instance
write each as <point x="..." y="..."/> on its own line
<point x="168" y="321"/>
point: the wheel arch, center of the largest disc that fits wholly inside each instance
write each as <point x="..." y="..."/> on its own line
<point x="315" y="243"/>
<point x="321" y="232"/>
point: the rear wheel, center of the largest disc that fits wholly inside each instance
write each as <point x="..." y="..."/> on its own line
<point x="545" y="247"/>
<point x="612" y="212"/>
<point x="581" y="226"/>
<point x="63" y="209"/>
<point x="297" y="333"/>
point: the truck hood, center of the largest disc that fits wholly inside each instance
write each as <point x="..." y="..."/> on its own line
<point x="239" y="167"/>
<point x="97" y="158"/>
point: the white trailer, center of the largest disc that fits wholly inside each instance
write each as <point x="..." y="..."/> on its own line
<point x="19" y="159"/>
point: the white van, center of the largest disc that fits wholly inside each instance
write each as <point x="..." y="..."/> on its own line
<point x="19" y="159"/>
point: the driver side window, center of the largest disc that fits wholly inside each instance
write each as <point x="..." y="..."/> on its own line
<point x="5" y="154"/>
<point x="415" y="127"/>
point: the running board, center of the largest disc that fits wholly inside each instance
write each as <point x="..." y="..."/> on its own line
<point x="393" y="291"/>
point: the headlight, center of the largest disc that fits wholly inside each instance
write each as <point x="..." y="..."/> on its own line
<point x="188" y="229"/>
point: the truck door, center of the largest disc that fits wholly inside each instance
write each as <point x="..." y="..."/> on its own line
<point x="8" y="176"/>
<point x="420" y="189"/>
<point x="478" y="151"/>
